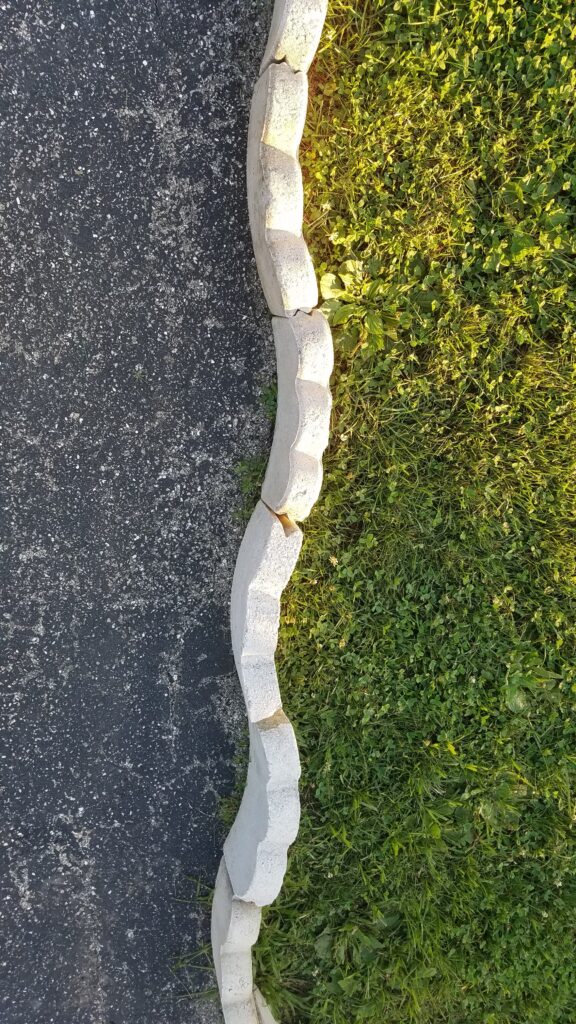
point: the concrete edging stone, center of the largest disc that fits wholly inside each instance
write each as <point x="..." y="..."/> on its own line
<point x="304" y="360"/>
<point x="275" y="196"/>
<point x="266" y="560"/>
<point x="267" y="822"/>
<point x="256" y="849"/>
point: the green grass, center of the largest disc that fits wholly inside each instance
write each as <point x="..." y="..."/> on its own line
<point x="427" y="651"/>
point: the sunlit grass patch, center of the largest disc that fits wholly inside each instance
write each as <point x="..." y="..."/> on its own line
<point x="427" y="653"/>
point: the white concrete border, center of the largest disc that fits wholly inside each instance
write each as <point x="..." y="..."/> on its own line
<point x="255" y="852"/>
<point x="274" y="185"/>
<point x="267" y="822"/>
<point x="266" y="560"/>
<point x="304" y="360"/>
<point x="295" y="33"/>
<point x="235" y="927"/>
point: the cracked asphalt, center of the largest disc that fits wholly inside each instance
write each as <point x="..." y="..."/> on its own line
<point x="134" y="345"/>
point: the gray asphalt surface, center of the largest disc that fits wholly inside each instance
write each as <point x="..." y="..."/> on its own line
<point x="134" y="344"/>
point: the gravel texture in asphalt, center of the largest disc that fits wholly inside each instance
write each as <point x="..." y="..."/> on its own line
<point x="134" y="346"/>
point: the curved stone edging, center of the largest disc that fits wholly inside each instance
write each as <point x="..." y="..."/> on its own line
<point x="304" y="360"/>
<point x="255" y="852"/>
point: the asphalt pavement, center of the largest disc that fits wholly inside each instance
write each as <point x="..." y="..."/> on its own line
<point x="134" y="345"/>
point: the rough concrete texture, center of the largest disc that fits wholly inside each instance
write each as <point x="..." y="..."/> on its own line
<point x="275" y="198"/>
<point x="242" y="1012"/>
<point x="134" y="346"/>
<point x="266" y="560"/>
<point x="295" y="32"/>
<point x="282" y="199"/>
<point x="235" y="927"/>
<point x="304" y="359"/>
<point x="256" y="847"/>
<point x="287" y="273"/>
<point x="278" y="110"/>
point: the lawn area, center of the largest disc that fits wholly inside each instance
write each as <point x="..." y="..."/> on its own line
<point x="427" y="655"/>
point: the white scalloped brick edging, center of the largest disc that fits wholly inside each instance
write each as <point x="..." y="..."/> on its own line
<point x="235" y="927"/>
<point x="278" y="111"/>
<point x="295" y="32"/>
<point x="282" y="198"/>
<point x="274" y="185"/>
<point x="267" y="822"/>
<point x="266" y="560"/>
<point x="255" y="851"/>
<point x="304" y="358"/>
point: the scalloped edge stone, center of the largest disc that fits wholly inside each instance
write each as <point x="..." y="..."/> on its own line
<point x="305" y="359"/>
<point x="275" y="194"/>
<point x="282" y="197"/>
<point x="266" y="559"/>
<point x="278" y="110"/>
<point x="256" y="849"/>
<point x="234" y="930"/>
<point x="255" y="852"/>
<point x="295" y="32"/>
